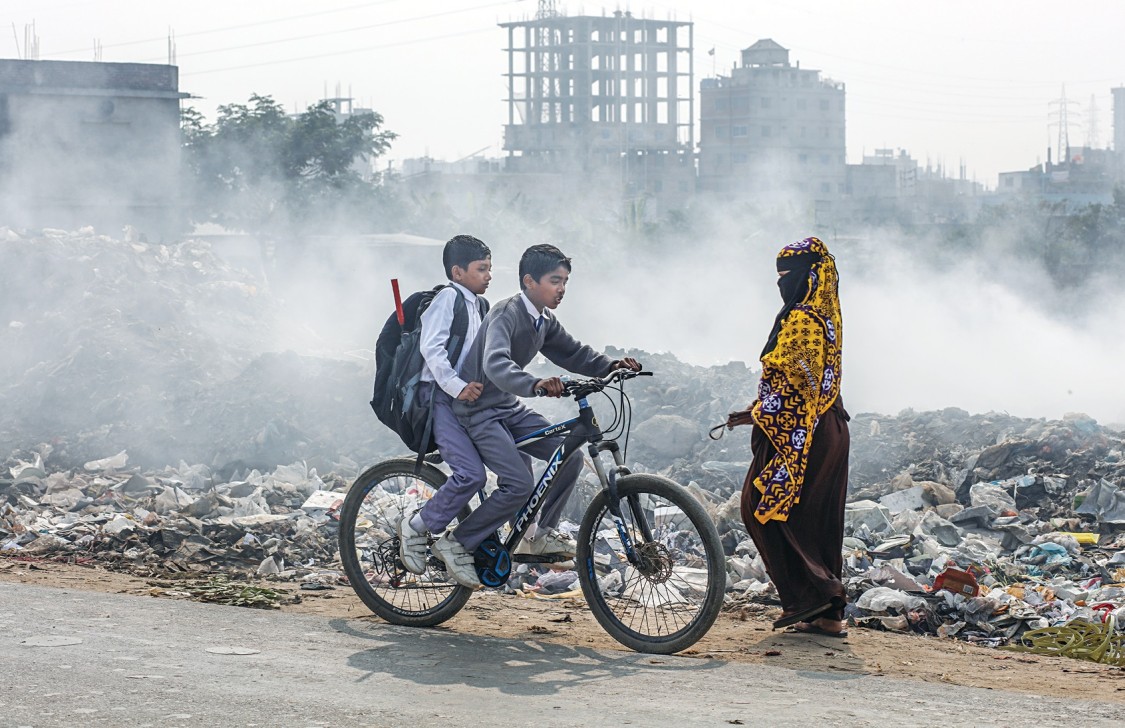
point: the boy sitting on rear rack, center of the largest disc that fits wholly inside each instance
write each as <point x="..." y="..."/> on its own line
<point x="468" y="265"/>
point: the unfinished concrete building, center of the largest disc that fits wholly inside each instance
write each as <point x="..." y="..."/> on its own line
<point x="609" y="99"/>
<point x="90" y="144"/>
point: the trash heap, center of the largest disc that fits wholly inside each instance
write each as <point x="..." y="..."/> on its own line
<point x="1022" y="554"/>
<point x="1011" y="538"/>
<point x="175" y="521"/>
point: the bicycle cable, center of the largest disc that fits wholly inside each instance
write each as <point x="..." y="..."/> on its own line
<point x="622" y="417"/>
<point x="616" y="414"/>
<point x="627" y="407"/>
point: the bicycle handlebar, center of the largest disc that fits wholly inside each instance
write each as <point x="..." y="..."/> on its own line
<point x="579" y="388"/>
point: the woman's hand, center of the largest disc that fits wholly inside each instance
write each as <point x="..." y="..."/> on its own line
<point x="742" y="417"/>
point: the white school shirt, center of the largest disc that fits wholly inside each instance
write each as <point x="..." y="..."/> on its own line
<point x="436" y="322"/>
<point x="532" y="311"/>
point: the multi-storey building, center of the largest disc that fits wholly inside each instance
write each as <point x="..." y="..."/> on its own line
<point x="772" y="131"/>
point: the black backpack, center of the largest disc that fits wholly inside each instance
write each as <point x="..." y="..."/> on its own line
<point x="399" y="364"/>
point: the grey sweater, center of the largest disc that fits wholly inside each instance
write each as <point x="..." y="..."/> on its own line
<point x="507" y="342"/>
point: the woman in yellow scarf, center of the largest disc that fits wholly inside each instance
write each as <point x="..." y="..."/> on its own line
<point x="794" y="494"/>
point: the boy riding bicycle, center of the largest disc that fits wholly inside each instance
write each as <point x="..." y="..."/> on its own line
<point x="510" y="336"/>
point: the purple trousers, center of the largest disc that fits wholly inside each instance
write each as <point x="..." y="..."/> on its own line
<point x="458" y="451"/>
<point x="493" y="431"/>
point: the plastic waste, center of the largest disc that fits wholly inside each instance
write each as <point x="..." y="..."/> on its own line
<point x="958" y="582"/>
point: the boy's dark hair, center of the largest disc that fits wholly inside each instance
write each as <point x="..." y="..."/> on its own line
<point x="461" y="250"/>
<point x="539" y="260"/>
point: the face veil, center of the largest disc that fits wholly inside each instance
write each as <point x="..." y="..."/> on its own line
<point x="800" y="371"/>
<point x="794" y="287"/>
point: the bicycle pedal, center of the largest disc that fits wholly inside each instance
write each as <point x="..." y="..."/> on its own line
<point x="493" y="563"/>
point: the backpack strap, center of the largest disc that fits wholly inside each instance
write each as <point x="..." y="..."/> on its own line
<point x="427" y="433"/>
<point x="459" y="328"/>
<point x="421" y="302"/>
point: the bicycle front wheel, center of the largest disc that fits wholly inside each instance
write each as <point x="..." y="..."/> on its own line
<point x="369" y="549"/>
<point x="667" y="597"/>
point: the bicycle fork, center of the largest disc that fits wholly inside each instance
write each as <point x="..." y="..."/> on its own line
<point x="609" y="481"/>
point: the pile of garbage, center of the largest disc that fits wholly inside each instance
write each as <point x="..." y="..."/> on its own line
<point x="1022" y="555"/>
<point x="176" y="521"/>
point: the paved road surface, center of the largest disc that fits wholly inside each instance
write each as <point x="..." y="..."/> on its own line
<point x="81" y="658"/>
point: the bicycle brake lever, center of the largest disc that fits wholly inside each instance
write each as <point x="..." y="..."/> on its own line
<point x="623" y="374"/>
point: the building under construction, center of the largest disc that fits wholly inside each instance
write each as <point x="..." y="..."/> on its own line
<point x="609" y="98"/>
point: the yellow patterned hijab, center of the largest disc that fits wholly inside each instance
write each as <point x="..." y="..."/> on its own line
<point x="800" y="376"/>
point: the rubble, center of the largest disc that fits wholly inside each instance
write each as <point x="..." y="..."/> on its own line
<point x="1031" y="508"/>
<point x="177" y="521"/>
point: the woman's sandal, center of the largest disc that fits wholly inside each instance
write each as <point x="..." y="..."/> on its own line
<point x="810" y="628"/>
<point x="790" y="619"/>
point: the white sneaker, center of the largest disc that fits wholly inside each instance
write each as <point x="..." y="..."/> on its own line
<point x="459" y="563"/>
<point x="549" y="542"/>
<point x="411" y="546"/>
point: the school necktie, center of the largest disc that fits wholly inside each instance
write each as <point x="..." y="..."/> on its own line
<point x="538" y="322"/>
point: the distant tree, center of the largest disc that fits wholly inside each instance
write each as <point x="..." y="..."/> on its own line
<point x="1092" y="240"/>
<point x="260" y="170"/>
<point x="1072" y="244"/>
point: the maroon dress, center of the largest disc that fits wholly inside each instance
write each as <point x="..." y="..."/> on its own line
<point x="802" y="554"/>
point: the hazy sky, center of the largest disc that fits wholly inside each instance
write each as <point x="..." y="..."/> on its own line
<point x="952" y="81"/>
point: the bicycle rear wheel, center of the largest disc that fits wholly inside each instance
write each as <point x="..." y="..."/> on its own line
<point x="671" y="596"/>
<point x="369" y="547"/>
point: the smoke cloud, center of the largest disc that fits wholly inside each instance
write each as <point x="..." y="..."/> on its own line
<point x="231" y="347"/>
<point x="981" y="328"/>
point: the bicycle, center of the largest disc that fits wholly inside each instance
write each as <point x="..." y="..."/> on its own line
<point x="649" y="559"/>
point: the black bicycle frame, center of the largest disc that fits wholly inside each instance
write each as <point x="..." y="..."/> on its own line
<point x="577" y="432"/>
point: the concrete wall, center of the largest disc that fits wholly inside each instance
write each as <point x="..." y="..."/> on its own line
<point x="90" y="144"/>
